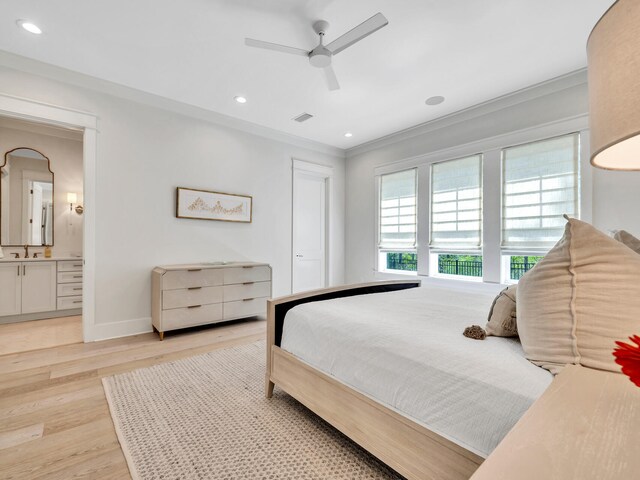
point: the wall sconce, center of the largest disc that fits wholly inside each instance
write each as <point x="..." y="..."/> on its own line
<point x="614" y="88"/>
<point x="73" y="198"/>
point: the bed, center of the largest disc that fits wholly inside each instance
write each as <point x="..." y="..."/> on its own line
<point x="386" y="364"/>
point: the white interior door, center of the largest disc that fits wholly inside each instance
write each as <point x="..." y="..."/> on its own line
<point x="35" y="217"/>
<point x="309" y="231"/>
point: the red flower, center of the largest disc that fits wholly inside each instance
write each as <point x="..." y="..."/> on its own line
<point x="628" y="356"/>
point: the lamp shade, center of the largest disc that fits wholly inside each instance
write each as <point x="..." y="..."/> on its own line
<point x="613" y="50"/>
<point x="72" y="197"/>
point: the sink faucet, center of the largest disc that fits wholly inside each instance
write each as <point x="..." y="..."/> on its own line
<point x="26" y="251"/>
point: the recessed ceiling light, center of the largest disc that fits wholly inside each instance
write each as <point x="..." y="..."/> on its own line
<point x="437" y="100"/>
<point x="29" y="27"/>
<point x="348" y="134"/>
<point x="240" y="99"/>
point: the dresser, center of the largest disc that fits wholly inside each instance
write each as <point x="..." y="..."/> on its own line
<point x="197" y="294"/>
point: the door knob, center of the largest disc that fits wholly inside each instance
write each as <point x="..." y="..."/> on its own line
<point x="298" y="255"/>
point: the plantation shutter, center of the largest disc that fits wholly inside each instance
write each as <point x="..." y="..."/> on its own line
<point x="456" y="204"/>
<point x="540" y="183"/>
<point x="398" y="211"/>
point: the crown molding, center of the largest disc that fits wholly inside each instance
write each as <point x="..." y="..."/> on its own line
<point x="554" y="85"/>
<point x="28" y="65"/>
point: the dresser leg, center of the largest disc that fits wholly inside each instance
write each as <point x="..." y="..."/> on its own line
<point x="161" y="335"/>
<point x="269" y="388"/>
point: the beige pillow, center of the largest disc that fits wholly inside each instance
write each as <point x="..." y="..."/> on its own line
<point x="578" y="300"/>
<point x="502" y="315"/>
<point x="629" y="240"/>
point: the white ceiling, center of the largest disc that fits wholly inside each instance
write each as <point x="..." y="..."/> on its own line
<point x="192" y="51"/>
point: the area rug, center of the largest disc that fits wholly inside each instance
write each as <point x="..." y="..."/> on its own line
<point x="206" y="417"/>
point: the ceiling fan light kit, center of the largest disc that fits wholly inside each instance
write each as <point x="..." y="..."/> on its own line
<point x="321" y="55"/>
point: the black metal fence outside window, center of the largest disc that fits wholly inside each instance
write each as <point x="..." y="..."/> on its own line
<point x="402" y="261"/>
<point x="521" y="265"/>
<point x="464" y="267"/>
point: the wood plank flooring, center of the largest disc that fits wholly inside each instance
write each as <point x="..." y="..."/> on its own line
<point x="37" y="334"/>
<point x="54" y="418"/>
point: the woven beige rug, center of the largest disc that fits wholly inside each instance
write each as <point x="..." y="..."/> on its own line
<point x="206" y="417"/>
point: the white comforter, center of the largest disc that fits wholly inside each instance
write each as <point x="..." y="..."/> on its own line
<point x="406" y="350"/>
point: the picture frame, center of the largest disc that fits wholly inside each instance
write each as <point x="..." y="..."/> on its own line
<point x="211" y="205"/>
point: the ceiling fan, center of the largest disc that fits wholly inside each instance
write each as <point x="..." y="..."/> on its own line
<point x="321" y="55"/>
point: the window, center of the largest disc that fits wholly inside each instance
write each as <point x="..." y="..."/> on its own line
<point x="540" y="183"/>
<point x="456" y="216"/>
<point x="398" y="222"/>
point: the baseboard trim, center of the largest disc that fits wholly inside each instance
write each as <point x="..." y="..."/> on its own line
<point x="27" y="317"/>
<point x="124" y="328"/>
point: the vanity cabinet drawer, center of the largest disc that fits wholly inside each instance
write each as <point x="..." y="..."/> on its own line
<point x="70" y="265"/>
<point x="246" y="274"/>
<point x="242" y="291"/>
<point x="188" y="317"/>
<point x="69" y="277"/>
<point x="206" y="277"/>
<point x="67" y="303"/>
<point x="69" y="289"/>
<point x="245" y="308"/>
<point x="186" y="297"/>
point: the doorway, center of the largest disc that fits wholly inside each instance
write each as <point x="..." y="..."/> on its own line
<point x="310" y="229"/>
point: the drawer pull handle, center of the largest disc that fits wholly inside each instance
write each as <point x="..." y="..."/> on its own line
<point x="194" y="270"/>
<point x="77" y="276"/>
<point x="248" y="283"/>
<point x="194" y="306"/>
<point x="77" y="265"/>
<point x="78" y="288"/>
<point x="247" y="266"/>
<point x="194" y="288"/>
<point x="77" y="301"/>
<point x="247" y="299"/>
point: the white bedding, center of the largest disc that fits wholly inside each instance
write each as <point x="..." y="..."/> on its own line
<point x="406" y="350"/>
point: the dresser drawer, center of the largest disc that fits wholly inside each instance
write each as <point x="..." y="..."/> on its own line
<point x="246" y="274"/>
<point x="245" y="308"/>
<point x="185" y="297"/>
<point x="70" y="265"/>
<point x="188" y="317"/>
<point x="69" y="289"/>
<point x="206" y="277"/>
<point x="241" y="291"/>
<point x="67" y="303"/>
<point x="69" y="277"/>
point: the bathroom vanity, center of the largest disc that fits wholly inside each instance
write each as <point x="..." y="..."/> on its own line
<point x="34" y="288"/>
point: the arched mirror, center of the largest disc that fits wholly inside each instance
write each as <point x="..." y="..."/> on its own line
<point x="26" y="199"/>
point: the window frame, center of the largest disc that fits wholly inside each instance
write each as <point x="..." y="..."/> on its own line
<point x="491" y="212"/>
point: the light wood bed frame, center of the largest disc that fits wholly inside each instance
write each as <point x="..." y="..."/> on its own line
<point x="409" y="448"/>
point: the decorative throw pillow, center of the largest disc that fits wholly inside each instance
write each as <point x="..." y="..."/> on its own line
<point x="502" y="315"/>
<point x="578" y="300"/>
<point x="629" y="240"/>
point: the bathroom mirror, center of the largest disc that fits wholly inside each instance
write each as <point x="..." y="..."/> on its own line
<point x="26" y="199"/>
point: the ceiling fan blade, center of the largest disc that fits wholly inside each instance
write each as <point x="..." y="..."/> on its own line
<point x="356" y="34"/>
<point x="332" y="80"/>
<point x="274" y="46"/>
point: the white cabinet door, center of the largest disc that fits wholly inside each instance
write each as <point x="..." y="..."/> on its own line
<point x="10" y="281"/>
<point x="38" y="287"/>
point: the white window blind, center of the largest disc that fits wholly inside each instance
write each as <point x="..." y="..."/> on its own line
<point x="540" y="183"/>
<point x="456" y="204"/>
<point x="398" y="211"/>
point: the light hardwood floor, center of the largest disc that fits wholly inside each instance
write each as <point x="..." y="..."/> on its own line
<point x="37" y="334"/>
<point x="54" y="418"/>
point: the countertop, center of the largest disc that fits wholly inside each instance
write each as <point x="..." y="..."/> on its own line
<point x="10" y="259"/>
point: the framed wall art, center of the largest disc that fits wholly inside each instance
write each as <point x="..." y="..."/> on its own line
<point x="206" y="205"/>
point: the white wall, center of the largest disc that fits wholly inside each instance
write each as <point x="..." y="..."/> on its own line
<point x="65" y="156"/>
<point x="616" y="195"/>
<point x="143" y="154"/>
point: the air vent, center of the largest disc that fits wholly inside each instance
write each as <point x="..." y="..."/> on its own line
<point x="303" y="117"/>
